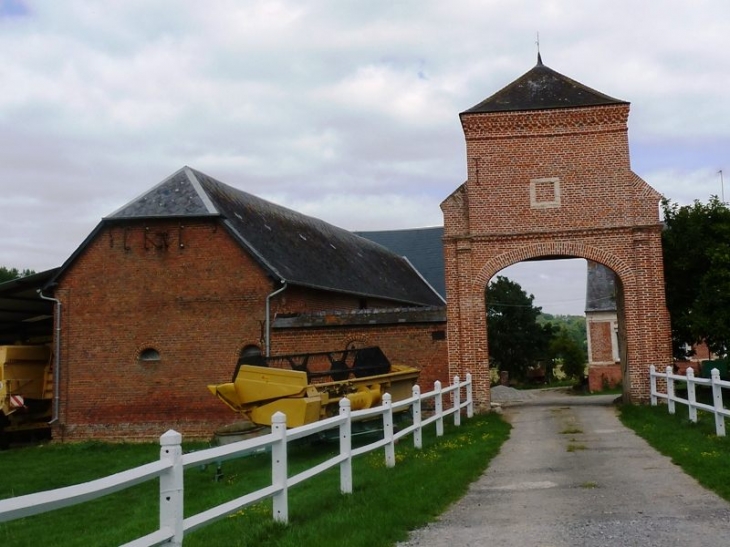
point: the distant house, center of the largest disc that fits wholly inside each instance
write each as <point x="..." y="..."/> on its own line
<point x="604" y="335"/>
<point x="168" y="291"/>
<point x="602" y="328"/>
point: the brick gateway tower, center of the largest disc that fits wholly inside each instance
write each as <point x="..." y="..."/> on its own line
<point x="549" y="177"/>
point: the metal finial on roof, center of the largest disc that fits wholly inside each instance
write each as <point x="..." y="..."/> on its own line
<point x="537" y="43"/>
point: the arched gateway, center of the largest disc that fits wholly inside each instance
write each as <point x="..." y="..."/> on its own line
<point x="549" y="177"/>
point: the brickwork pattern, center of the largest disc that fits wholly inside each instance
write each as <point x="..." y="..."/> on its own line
<point x="605" y="213"/>
<point x="407" y="344"/>
<point x="192" y="294"/>
<point x="601" y="346"/>
<point x="602" y="377"/>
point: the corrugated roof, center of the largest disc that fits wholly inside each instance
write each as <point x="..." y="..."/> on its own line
<point x="24" y="314"/>
<point x="292" y="247"/>
<point x="542" y="88"/>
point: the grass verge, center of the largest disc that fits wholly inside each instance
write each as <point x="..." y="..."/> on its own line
<point x="694" y="447"/>
<point x="385" y="505"/>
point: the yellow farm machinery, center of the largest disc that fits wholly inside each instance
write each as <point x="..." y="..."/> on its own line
<point x="309" y="386"/>
<point x="26" y="390"/>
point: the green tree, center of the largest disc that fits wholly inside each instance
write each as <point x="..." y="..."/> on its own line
<point x="516" y="340"/>
<point x="696" y="245"/>
<point x="8" y="274"/>
<point x="565" y="350"/>
<point x="575" y="325"/>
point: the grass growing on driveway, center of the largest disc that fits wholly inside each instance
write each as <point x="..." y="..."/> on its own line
<point x="693" y="447"/>
<point x="385" y="504"/>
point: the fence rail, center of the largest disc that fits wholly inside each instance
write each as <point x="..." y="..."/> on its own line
<point x="172" y="463"/>
<point x="717" y="408"/>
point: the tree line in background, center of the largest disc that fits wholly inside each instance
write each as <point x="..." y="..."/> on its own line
<point x="527" y="343"/>
<point x="8" y="274"/>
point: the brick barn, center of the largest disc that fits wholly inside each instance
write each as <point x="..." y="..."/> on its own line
<point x="169" y="291"/>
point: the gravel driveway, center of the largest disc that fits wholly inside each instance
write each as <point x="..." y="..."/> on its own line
<point x="572" y="474"/>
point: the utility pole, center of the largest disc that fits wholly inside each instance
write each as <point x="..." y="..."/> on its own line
<point x="722" y="186"/>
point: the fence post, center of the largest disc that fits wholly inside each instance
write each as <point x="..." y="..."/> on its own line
<point x="469" y="397"/>
<point x="439" y="403"/>
<point x="670" y="390"/>
<point x="346" y="447"/>
<point x="691" y="395"/>
<point x="652" y="382"/>
<point x="717" y="398"/>
<point x="456" y="398"/>
<point x="171" y="487"/>
<point x="416" y="410"/>
<point x="388" y="431"/>
<point x="279" y="468"/>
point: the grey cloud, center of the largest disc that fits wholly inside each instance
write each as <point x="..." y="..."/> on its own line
<point x="348" y="111"/>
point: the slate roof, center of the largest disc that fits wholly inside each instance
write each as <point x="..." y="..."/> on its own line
<point x="290" y="246"/>
<point x="542" y="88"/>
<point x="423" y="247"/>
<point x="600" y="288"/>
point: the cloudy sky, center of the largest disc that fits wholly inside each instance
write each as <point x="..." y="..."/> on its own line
<point x="341" y="109"/>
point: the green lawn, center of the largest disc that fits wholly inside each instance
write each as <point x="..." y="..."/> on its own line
<point x="694" y="447"/>
<point x="385" y="505"/>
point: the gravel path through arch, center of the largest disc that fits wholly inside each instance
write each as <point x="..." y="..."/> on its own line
<point x="572" y="475"/>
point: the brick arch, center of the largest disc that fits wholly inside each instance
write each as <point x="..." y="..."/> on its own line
<point x="572" y="249"/>
<point x="354" y="342"/>
<point x="553" y="182"/>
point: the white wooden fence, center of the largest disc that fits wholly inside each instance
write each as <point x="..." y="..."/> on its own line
<point x="717" y="407"/>
<point x="172" y="463"/>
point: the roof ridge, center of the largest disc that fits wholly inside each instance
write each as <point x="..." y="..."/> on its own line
<point x="145" y="193"/>
<point x="192" y="177"/>
<point x="178" y="195"/>
<point x="542" y="88"/>
<point x="308" y="251"/>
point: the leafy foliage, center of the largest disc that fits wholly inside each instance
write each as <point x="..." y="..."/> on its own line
<point x="696" y="245"/>
<point x="8" y="274"/>
<point x="565" y="349"/>
<point x="516" y="340"/>
<point x="574" y="325"/>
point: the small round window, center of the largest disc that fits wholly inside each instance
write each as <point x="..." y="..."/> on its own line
<point x="149" y="354"/>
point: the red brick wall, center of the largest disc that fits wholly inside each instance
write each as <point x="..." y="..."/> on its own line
<point x="197" y="302"/>
<point x="298" y="299"/>
<point x="599" y="210"/>
<point x="601" y="336"/>
<point x="192" y="294"/>
<point x="602" y="377"/>
<point x="414" y="344"/>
